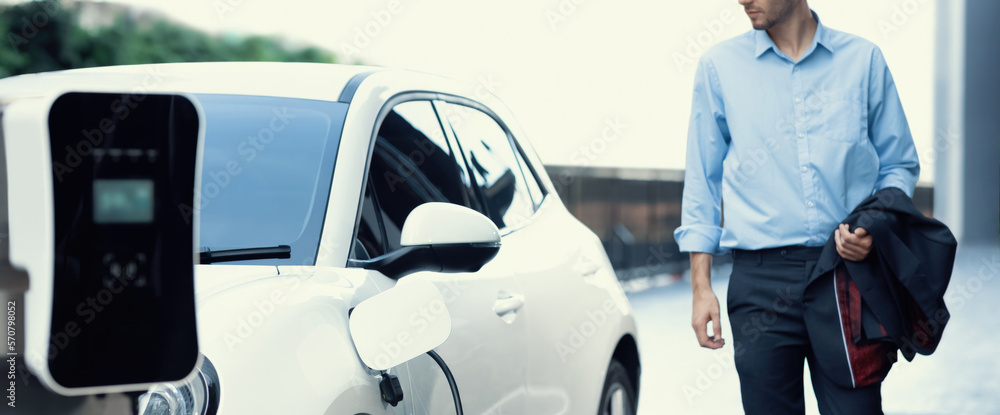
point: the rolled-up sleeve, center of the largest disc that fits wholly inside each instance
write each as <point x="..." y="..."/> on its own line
<point x="889" y="132"/>
<point x="708" y="142"/>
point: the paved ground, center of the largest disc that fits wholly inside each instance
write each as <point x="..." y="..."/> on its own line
<point x="962" y="377"/>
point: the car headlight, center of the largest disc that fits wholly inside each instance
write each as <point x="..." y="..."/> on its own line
<point x="199" y="396"/>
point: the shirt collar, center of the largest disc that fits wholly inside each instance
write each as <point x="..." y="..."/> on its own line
<point x="763" y="42"/>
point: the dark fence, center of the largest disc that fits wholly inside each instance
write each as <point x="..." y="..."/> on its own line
<point x="635" y="212"/>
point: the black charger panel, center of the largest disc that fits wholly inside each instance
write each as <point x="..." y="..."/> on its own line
<point x="123" y="175"/>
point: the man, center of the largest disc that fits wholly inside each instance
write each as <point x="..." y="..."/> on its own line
<point x="792" y="125"/>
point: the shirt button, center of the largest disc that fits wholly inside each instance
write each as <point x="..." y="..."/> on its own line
<point x="810" y="204"/>
<point x="797" y="100"/>
<point x="805" y="169"/>
<point x="801" y="135"/>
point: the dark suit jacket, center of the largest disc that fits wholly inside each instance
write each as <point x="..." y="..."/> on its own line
<point x="893" y="300"/>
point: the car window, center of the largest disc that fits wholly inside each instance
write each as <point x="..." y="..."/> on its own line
<point x="413" y="163"/>
<point x="494" y="166"/>
<point x="530" y="178"/>
<point x="266" y="173"/>
<point x="370" y="242"/>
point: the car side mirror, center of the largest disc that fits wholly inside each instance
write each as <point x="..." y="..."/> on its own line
<point x="441" y="237"/>
<point x="399" y="324"/>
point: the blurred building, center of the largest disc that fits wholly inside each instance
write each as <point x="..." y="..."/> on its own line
<point x="967" y="111"/>
<point x="635" y="212"/>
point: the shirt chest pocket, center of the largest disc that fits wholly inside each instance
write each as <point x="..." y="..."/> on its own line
<point x="839" y="114"/>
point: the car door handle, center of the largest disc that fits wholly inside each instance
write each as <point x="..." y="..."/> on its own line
<point x="508" y="303"/>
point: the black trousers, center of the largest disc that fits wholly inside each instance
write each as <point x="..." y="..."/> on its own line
<point x="770" y="338"/>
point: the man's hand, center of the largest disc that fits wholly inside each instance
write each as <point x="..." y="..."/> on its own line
<point x="706" y="308"/>
<point x="705" y="303"/>
<point x="853" y="246"/>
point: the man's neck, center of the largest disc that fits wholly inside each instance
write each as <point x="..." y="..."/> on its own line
<point x="794" y="35"/>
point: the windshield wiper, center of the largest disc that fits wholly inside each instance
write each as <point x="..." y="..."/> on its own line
<point x="243" y="254"/>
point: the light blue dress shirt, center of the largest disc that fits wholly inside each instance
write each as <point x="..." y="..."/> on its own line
<point x="785" y="150"/>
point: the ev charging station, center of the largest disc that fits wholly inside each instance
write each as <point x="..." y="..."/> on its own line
<point x="95" y="182"/>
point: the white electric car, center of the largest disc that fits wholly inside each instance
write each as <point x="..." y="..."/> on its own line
<point x="323" y="186"/>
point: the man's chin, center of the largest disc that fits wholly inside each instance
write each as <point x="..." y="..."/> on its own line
<point x="761" y="25"/>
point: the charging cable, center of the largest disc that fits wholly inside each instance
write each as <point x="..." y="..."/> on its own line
<point x="451" y="380"/>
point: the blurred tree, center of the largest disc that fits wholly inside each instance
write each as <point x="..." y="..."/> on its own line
<point x="47" y="35"/>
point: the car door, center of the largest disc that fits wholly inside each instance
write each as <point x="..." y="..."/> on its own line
<point x="558" y="264"/>
<point x="414" y="162"/>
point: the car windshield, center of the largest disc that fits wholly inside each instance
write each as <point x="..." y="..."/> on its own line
<point x="266" y="173"/>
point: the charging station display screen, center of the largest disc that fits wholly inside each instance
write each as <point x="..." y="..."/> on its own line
<point x="123" y="201"/>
